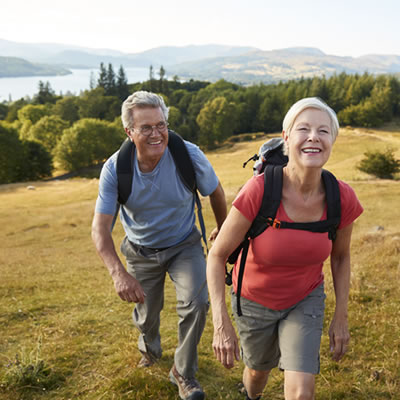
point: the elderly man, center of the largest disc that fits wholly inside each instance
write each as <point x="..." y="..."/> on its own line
<point x="161" y="236"/>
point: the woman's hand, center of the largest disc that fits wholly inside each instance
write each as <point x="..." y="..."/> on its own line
<point x="339" y="337"/>
<point x="225" y="343"/>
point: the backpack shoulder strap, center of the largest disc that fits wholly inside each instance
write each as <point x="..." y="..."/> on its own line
<point x="333" y="201"/>
<point x="182" y="160"/>
<point x="124" y="175"/>
<point x="186" y="171"/>
<point x="273" y="181"/>
<point x="125" y="170"/>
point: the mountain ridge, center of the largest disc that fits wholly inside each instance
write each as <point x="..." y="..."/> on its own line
<point x="239" y="64"/>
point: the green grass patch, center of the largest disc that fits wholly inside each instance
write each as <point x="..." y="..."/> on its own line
<point x="65" y="334"/>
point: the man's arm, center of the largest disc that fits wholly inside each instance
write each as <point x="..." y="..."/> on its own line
<point x="218" y="205"/>
<point x="127" y="287"/>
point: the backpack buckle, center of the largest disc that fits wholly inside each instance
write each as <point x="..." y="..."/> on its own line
<point x="275" y="223"/>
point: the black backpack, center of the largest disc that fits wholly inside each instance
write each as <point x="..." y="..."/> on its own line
<point x="183" y="163"/>
<point x="271" y="161"/>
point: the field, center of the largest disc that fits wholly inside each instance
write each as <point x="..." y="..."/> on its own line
<point x="64" y="333"/>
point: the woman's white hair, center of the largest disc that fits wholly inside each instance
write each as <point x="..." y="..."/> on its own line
<point x="141" y="99"/>
<point x="310" y="102"/>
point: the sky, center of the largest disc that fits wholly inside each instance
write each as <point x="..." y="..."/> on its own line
<point x="337" y="27"/>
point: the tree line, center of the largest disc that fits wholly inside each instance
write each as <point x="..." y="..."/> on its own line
<point x="71" y="132"/>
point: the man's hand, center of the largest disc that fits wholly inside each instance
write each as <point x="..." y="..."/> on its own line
<point x="213" y="234"/>
<point x="128" y="288"/>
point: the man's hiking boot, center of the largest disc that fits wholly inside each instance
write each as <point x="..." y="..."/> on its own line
<point x="243" y="391"/>
<point x="147" y="360"/>
<point x="189" y="388"/>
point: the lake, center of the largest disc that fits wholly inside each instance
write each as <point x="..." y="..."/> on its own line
<point x="16" y="88"/>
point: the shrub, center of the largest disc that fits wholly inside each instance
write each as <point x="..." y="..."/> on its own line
<point x="38" y="162"/>
<point x="380" y="164"/>
<point x="89" y="141"/>
<point x="21" y="160"/>
<point x="11" y="154"/>
<point x="47" y="131"/>
<point x="29" y="372"/>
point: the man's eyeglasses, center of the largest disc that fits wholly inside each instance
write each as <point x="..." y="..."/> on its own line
<point x="147" y="130"/>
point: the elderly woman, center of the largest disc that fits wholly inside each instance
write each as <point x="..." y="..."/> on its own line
<point x="282" y="294"/>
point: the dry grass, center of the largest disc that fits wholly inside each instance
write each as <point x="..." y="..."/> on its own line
<point x="62" y="324"/>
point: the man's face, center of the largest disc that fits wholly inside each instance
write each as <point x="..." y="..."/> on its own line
<point x="150" y="141"/>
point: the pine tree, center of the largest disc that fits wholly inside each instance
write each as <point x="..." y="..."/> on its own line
<point x="122" y="84"/>
<point x="110" y="81"/>
<point x="151" y="78"/>
<point x="92" y="81"/>
<point x="162" y="87"/>
<point x="102" y="80"/>
<point x="45" y="95"/>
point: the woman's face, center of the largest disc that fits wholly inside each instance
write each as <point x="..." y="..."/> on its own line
<point x="310" y="141"/>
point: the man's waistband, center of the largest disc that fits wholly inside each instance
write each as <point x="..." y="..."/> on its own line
<point x="148" y="249"/>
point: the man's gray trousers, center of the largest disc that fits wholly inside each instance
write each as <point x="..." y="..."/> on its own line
<point x="185" y="264"/>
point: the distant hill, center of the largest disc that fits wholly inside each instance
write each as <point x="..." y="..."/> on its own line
<point x="239" y="64"/>
<point x="170" y="55"/>
<point x="18" y="67"/>
<point x="38" y="52"/>
<point x="81" y="57"/>
<point x="282" y="65"/>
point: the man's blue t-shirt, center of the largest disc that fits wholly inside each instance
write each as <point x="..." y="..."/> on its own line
<point x="160" y="209"/>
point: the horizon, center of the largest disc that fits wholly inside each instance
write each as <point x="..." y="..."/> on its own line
<point x="186" y="45"/>
<point x="354" y="28"/>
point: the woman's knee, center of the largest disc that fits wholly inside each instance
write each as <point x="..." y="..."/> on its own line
<point x="299" y="386"/>
<point x="302" y="394"/>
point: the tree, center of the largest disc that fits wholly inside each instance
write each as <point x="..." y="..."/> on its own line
<point x="95" y="104"/>
<point x="122" y="84"/>
<point x="13" y="109"/>
<point x="174" y="117"/>
<point x="45" y="95"/>
<point x="67" y="109"/>
<point x="21" y="160"/>
<point x="38" y="162"/>
<point x="3" y="111"/>
<point x="270" y="114"/>
<point x="102" y="79"/>
<point x="151" y="78"/>
<point x="92" y="81"/>
<point x="33" y="113"/>
<point x="48" y="131"/>
<point x="11" y="154"/>
<point x="162" y="82"/>
<point x="216" y="121"/>
<point x="89" y="141"/>
<point x="29" y="115"/>
<point x="110" y="81"/>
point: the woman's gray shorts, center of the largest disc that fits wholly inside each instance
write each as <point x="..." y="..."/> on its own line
<point x="287" y="338"/>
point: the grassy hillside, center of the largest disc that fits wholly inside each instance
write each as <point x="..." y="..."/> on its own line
<point x="63" y="326"/>
<point x="17" y="67"/>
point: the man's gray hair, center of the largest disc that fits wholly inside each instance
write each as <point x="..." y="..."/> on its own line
<point x="141" y="99"/>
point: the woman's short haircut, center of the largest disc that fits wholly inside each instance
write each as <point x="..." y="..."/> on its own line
<point x="141" y="99"/>
<point x="310" y="102"/>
